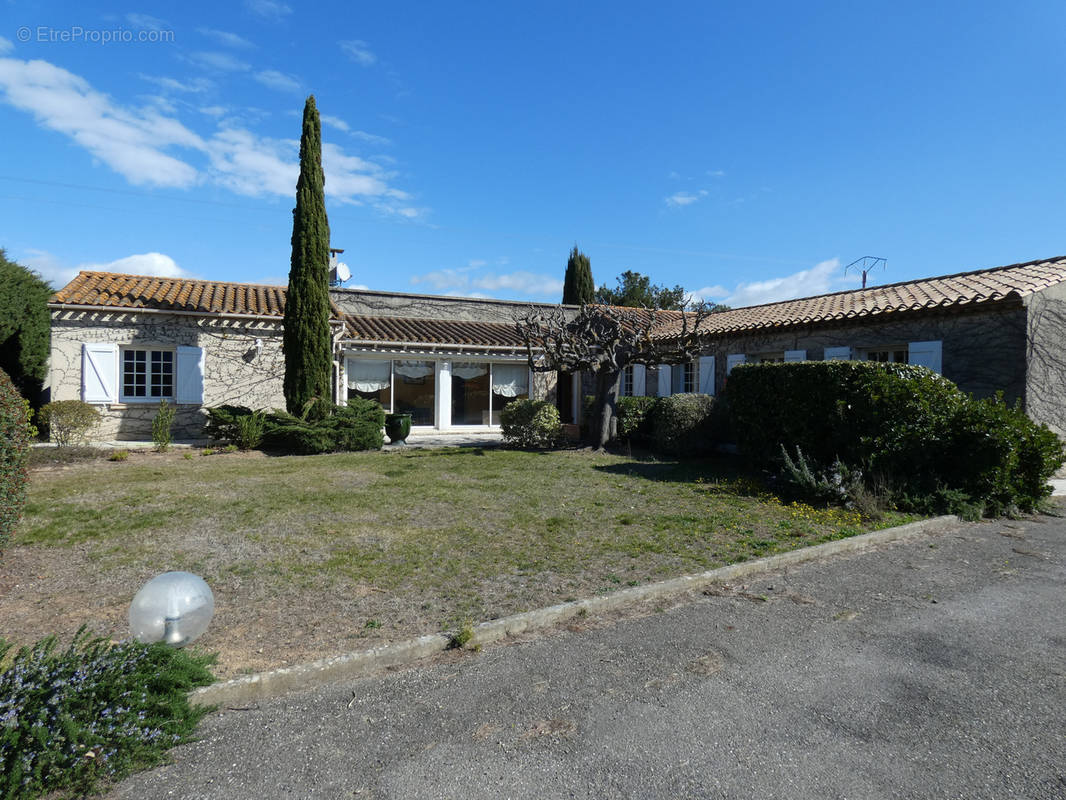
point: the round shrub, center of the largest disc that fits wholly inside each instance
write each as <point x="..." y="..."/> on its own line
<point x="680" y="424"/>
<point x="531" y="423"/>
<point x="68" y="421"/>
<point x="14" y="448"/>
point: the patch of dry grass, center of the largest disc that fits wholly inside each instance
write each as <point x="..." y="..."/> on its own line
<point x="302" y="551"/>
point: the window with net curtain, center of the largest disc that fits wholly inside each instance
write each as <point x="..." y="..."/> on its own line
<point x="509" y="382"/>
<point x="371" y="379"/>
<point x="414" y="389"/>
<point x="471" y="388"/>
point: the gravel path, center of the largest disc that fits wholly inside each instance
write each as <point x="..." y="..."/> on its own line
<point x="930" y="668"/>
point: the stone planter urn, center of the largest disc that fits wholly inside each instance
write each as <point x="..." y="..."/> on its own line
<point x="397" y="428"/>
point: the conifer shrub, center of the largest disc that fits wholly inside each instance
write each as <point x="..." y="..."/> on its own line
<point x="532" y="424"/>
<point x="355" y="426"/>
<point x="68" y="422"/>
<point x="95" y="711"/>
<point x="15" y="434"/>
<point x="236" y="425"/>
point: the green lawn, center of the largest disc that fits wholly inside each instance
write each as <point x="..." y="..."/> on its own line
<point x="390" y="544"/>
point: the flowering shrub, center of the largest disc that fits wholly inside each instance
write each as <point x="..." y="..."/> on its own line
<point x="95" y="711"/>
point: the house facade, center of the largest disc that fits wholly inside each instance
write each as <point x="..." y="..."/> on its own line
<point x="124" y="342"/>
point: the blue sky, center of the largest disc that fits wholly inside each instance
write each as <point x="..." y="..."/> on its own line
<point x="745" y="151"/>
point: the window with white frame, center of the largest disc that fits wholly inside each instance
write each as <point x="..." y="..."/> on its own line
<point x="147" y="374"/>
<point x="627" y="381"/>
<point x="683" y="378"/>
<point x="891" y="355"/>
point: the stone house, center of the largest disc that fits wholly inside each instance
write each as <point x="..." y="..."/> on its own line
<point x="123" y="342"/>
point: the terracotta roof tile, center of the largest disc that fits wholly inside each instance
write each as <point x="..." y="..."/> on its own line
<point x="981" y="286"/>
<point x="112" y="290"/>
<point x="431" y="331"/>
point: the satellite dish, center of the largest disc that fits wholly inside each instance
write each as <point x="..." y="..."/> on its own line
<point x="343" y="273"/>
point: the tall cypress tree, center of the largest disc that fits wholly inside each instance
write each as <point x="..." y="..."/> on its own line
<point x="578" y="287"/>
<point x="307" y="342"/>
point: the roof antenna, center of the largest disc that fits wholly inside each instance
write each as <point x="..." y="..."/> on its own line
<point x="866" y="265"/>
<point x="338" y="271"/>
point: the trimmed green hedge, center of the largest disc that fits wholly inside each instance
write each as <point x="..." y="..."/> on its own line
<point x="634" y="419"/>
<point x="681" y="424"/>
<point x="15" y="434"/>
<point x="531" y="424"/>
<point x="904" y="425"/>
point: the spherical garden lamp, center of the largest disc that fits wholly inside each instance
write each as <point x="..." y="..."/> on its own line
<point x="175" y="607"/>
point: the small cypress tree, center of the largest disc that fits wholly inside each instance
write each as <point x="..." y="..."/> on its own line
<point x="307" y="343"/>
<point x="578" y="286"/>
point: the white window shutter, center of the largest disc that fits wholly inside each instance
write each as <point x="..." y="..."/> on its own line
<point x="838" y="354"/>
<point x="795" y="355"/>
<point x="640" y="379"/>
<point x="99" y="373"/>
<point x="732" y="360"/>
<point x="707" y="375"/>
<point x="664" y="380"/>
<point x="925" y="354"/>
<point x="190" y="384"/>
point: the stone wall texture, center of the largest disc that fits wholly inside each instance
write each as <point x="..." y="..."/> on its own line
<point x="1045" y="343"/>
<point x="421" y="306"/>
<point x="234" y="372"/>
<point x="982" y="351"/>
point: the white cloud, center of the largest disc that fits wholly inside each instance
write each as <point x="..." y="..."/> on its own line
<point x="273" y="79"/>
<point x="195" y="85"/>
<point x="335" y="122"/>
<point x="137" y="143"/>
<point x="715" y="173"/>
<point x="59" y="275"/>
<point x="226" y="38"/>
<point x="220" y="62"/>
<point x="682" y="199"/>
<point x="359" y="52"/>
<point x="371" y="138"/>
<point x="268" y="9"/>
<point x="145" y="22"/>
<point x="132" y="142"/>
<point x="459" y="281"/>
<point x="6" y="46"/>
<point x="822" y="278"/>
<point x="709" y="293"/>
<point x="522" y="282"/>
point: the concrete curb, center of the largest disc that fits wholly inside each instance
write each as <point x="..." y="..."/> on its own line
<point x="278" y="682"/>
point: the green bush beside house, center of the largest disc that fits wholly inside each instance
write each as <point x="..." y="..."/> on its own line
<point x="911" y="433"/>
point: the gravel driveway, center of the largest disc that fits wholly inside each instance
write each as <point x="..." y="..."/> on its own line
<point x="930" y="668"/>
